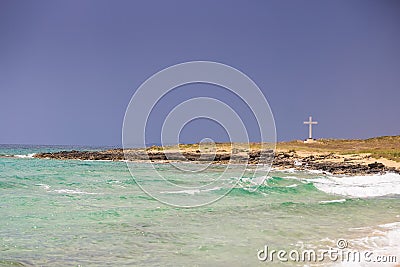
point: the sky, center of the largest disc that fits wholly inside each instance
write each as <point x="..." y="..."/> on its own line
<point x="68" y="69"/>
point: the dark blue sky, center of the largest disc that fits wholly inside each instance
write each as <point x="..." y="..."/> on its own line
<point x="69" y="68"/>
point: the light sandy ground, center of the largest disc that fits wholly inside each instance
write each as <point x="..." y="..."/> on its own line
<point x="338" y="150"/>
<point x="386" y="162"/>
<point x="356" y="158"/>
<point x="362" y="158"/>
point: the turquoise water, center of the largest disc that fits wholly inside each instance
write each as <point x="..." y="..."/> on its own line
<point x="92" y="213"/>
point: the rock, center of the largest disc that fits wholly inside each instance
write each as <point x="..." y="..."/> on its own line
<point x="376" y="165"/>
<point x="281" y="159"/>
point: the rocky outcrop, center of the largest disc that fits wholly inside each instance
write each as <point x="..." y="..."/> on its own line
<point x="327" y="163"/>
<point x="324" y="163"/>
<point x="84" y="155"/>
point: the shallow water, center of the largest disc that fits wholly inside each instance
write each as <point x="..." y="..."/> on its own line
<point x="90" y="213"/>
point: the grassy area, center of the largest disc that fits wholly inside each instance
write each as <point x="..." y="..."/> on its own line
<point x="219" y="146"/>
<point x="385" y="146"/>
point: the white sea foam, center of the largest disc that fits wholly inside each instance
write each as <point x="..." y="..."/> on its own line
<point x="69" y="191"/>
<point x="291" y="170"/>
<point x="259" y="180"/>
<point x="303" y="171"/>
<point x="383" y="240"/>
<point x="360" y="186"/>
<point x="25" y="156"/>
<point x="333" y="201"/>
<point x="294" y="178"/>
<point x="45" y="186"/>
<point x="253" y="181"/>
<point x="302" y="180"/>
<point x="391" y="226"/>
<point x="191" y="191"/>
<point x="292" y="185"/>
<point x="315" y="171"/>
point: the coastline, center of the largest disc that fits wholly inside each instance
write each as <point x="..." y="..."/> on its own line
<point x="340" y="157"/>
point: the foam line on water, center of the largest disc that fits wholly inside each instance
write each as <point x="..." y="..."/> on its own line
<point x="191" y="191"/>
<point x="333" y="201"/>
<point x="385" y="239"/>
<point x="256" y="180"/>
<point x="45" y="186"/>
<point x="359" y="186"/>
<point x="70" y="191"/>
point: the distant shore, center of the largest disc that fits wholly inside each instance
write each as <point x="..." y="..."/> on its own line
<point x="347" y="157"/>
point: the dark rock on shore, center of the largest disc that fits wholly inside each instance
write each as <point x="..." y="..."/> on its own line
<point x="281" y="160"/>
<point x="322" y="163"/>
<point x="84" y="155"/>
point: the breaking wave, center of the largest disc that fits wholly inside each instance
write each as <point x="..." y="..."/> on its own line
<point x="360" y="186"/>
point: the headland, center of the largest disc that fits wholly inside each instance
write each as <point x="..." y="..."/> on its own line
<point x="336" y="156"/>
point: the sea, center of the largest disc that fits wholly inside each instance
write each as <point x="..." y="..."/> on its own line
<point x="94" y="213"/>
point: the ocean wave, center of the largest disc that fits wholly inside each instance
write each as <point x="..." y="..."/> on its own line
<point x="288" y="170"/>
<point x="379" y="240"/>
<point x="255" y="180"/>
<point x="360" y="186"/>
<point x="383" y="239"/>
<point x="70" y="191"/>
<point x="333" y="201"/>
<point x="45" y="186"/>
<point x="294" y="171"/>
<point x="191" y="191"/>
<point x="301" y="180"/>
<point x="316" y="171"/>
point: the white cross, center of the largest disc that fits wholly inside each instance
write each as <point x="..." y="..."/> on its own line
<point x="310" y="124"/>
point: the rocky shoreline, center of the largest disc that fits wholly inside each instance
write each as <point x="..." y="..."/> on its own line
<point x="325" y="162"/>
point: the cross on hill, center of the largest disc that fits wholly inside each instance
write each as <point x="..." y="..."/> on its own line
<point x="310" y="123"/>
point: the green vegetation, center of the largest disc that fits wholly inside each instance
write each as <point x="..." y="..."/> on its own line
<point x="384" y="146"/>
